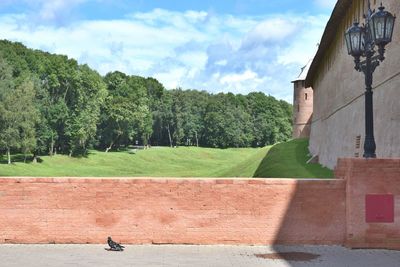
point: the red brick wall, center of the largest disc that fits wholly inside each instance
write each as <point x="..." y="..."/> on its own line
<point x="302" y="110"/>
<point x="193" y="211"/>
<point x="370" y="176"/>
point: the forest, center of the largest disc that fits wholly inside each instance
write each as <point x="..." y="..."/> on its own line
<point x="50" y="104"/>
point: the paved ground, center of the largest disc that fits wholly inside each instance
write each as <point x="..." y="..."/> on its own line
<point x="203" y="256"/>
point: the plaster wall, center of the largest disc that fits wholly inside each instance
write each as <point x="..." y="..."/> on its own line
<point x="338" y="116"/>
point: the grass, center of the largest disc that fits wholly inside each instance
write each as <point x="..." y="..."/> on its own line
<point x="155" y="162"/>
<point x="286" y="160"/>
<point x="289" y="160"/>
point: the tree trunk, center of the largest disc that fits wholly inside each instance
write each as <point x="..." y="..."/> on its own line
<point x="169" y="136"/>
<point x="108" y="148"/>
<point x="51" y="146"/>
<point x="8" y="155"/>
<point x="112" y="142"/>
<point x="197" y="140"/>
<point x="66" y="91"/>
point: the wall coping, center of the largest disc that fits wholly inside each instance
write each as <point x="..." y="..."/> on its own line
<point x="239" y="180"/>
<point x="370" y="159"/>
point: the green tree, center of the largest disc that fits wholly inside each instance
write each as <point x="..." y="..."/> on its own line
<point x="18" y="113"/>
<point x="271" y="119"/>
<point x="126" y="115"/>
<point x="89" y="93"/>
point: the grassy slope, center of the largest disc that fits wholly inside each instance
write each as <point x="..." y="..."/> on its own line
<point x="155" y="162"/>
<point x="288" y="160"/>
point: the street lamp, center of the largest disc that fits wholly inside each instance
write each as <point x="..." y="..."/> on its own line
<point x="361" y="42"/>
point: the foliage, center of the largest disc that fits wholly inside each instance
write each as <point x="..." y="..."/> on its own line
<point x="125" y="116"/>
<point x="18" y="113"/>
<point x="222" y="120"/>
<point x="66" y="108"/>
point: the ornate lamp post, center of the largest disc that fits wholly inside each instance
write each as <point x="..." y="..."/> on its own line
<point x="361" y="42"/>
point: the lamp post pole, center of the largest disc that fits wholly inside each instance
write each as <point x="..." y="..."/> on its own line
<point x="361" y="42"/>
<point x="369" y="144"/>
<point x="368" y="68"/>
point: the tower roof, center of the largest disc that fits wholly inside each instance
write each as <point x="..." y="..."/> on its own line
<point x="303" y="74"/>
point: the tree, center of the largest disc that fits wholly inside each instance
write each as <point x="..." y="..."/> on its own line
<point x="28" y="115"/>
<point x="7" y="132"/>
<point x="18" y="113"/>
<point x="89" y="93"/>
<point x="227" y="123"/>
<point x="125" y="116"/>
<point x="271" y="119"/>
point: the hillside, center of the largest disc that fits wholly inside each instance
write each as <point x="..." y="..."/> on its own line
<point x="289" y="160"/>
<point x="155" y="162"/>
<point x="286" y="160"/>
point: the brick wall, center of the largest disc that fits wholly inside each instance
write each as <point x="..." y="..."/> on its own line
<point x="371" y="177"/>
<point x="179" y="211"/>
<point x="302" y="110"/>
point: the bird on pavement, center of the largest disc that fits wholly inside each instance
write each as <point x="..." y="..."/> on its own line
<point x="114" y="246"/>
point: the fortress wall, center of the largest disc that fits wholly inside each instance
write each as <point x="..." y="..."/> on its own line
<point x="339" y="110"/>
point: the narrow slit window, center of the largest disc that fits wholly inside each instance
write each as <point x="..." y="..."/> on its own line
<point x="305" y="96"/>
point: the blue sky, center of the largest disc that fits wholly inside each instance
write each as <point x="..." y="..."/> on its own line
<point x="215" y="45"/>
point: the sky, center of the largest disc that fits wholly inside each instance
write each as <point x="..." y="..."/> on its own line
<point x="237" y="46"/>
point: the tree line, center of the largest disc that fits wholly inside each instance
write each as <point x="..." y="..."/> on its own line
<point x="51" y="104"/>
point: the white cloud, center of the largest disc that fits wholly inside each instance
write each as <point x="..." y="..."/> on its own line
<point x="270" y="31"/>
<point x="305" y="44"/>
<point x="328" y="4"/>
<point x="40" y="12"/>
<point x="50" y="10"/>
<point x="171" y="78"/>
<point x="222" y="62"/>
<point x="233" y="78"/>
<point x="242" y="83"/>
<point x="192" y="49"/>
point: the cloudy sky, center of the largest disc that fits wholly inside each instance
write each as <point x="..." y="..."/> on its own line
<point x="234" y="46"/>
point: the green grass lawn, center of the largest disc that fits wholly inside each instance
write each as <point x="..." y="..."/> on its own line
<point x="154" y="162"/>
<point x="282" y="160"/>
<point x="288" y="160"/>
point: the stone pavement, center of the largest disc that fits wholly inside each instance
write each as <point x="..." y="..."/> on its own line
<point x="203" y="256"/>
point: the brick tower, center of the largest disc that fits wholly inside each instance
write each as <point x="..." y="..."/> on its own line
<point x="302" y="105"/>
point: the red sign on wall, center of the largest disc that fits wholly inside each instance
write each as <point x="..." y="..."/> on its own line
<point x="379" y="208"/>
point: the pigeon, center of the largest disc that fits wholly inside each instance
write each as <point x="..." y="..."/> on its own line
<point x="114" y="246"/>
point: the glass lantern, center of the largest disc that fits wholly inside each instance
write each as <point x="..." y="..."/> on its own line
<point x="355" y="40"/>
<point x="381" y="27"/>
